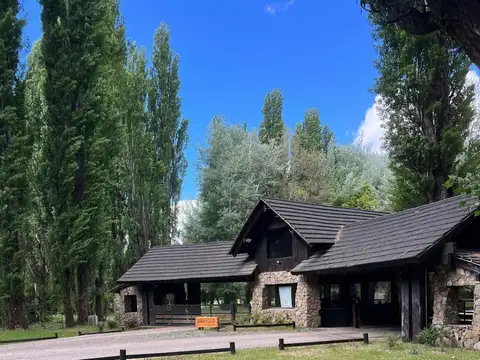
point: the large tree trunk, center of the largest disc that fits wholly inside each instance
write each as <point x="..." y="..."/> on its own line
<point x="15" y="312"/>
<point x="67" y="298"/>
<point x="460" y="19"/>
<point x="82" y="283"/>
<point x="99" y="293"/>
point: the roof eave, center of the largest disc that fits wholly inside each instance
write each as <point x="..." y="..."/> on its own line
<point x="356" y="268"/>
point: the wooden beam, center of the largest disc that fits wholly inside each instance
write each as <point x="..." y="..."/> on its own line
<point x="467" y="265"/>
<point x="417" y="317"/>
<point x="448" y="250"/>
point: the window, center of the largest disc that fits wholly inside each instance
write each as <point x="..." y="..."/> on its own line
<point x="382" y="292"/>
<point x="281" y="296"/>
<point x="279" y="243"/>
<point x="330" y="294"/>
<point x="130" y="303"/>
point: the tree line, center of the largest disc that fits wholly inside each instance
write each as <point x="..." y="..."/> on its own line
<point x="91" y="158"/>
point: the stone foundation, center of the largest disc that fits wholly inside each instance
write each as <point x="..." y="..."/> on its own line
<point x="446" y="284"/>
<point x="307" y="297"/>
<point x="463" y="336"/>
<point x="119" y="306"/>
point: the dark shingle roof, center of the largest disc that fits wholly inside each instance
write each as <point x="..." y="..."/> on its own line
<point x="198" y="262"/>
<point x="398" y="236"/>
<point x="317" y="224"/>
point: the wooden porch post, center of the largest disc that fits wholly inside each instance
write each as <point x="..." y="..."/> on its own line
<point x="405" y="289"/>
<point x="151" y="307"/>
<point x="417" y="307"/>
<point x="413" y="307"/>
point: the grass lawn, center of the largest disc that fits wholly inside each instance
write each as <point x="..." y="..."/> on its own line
<point x="374" y="351"/>
<point x="37" y="331"/>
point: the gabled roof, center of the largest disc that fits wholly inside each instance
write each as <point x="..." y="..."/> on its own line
<point x="399" y="236"/>
<point x="315" y="224"/>
<point x="192" y="262"/>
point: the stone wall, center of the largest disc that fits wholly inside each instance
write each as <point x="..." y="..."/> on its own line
<point x="307" y="297"/>
<point x="446" y="284"/>
<point x="119" y="306"/>
<point x="463" y="336"/>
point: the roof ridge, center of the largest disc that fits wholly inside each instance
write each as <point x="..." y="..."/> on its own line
<point x="223" y="242"/>
<point x="266" y="199"/>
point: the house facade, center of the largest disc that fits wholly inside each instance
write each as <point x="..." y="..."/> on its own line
<point x="327" y="266"/>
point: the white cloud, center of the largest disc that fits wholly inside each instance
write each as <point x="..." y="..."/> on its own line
<point x="273" y="8"/>
<point x="474" y="78"/>
<point x="184" y="207"/>
<point x="370" y="132"/>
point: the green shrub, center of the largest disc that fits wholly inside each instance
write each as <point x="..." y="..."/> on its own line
<point x="261" y="318"/>
<point x="392" y="341"/>
<point x="413" y="350"/>
<point x="101" y="326"/>
<point x="280" y="318"/>
<point x="112" y="323"/>
<point x="429" y="336"/>
<point x="131" y="323"/>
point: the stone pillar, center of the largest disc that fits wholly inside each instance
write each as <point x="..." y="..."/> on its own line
<point x="440" y="291"/>
<point x="312" y="288"/>
<point x="476" y="310"/>
<point x="307" y="297"/>
<point x="119" y="306"/>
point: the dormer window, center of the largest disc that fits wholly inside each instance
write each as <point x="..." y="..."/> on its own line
<point x="279" y="243"/>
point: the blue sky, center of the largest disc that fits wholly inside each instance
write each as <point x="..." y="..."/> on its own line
<point x="232" y="52"/>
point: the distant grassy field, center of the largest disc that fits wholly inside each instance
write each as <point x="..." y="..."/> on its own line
<point x="374" y="351"/>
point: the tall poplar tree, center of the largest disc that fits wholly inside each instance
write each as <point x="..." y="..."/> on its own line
<point x="39" y="226"/>
<point x="272" y="127"/>
<point x="77" y="47"/>
<point x="427" y="111"/>
<point x="138" y="158"/>
<point x="169" y="133"/>
<point x="311" y="135"/>
<point x="14" y="157"/>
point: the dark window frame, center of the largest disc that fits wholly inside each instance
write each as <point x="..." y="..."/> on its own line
<point x="376" y="291"/>
<point x="273" y="295"/>
<point x="130" y="302"/>
<point x="277" y="238"/>
<point x="329" y="301"/>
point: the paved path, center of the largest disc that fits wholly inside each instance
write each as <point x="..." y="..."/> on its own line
<point x="165" y="340"/>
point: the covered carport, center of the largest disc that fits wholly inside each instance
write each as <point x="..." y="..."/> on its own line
<point x="164" y="286"/>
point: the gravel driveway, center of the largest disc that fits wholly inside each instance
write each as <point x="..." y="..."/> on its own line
<point x="165" y="340"/>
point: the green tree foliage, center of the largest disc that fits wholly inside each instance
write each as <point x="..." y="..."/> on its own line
<point x="235" y="170"/>
<point x="14" y="157"/>
<point x="169" y="133"/>
<point x="353" y="166"/>
<point x="78" y="45"/>
<point x="39" y="227"/>
<point x="309" y="177"/>
<point x="272" y="128"/>
<point x="427" y="111"/>
<point x="139" y="185"/>
<point x="311" y="135"/>
<point x="363" y="199"/>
